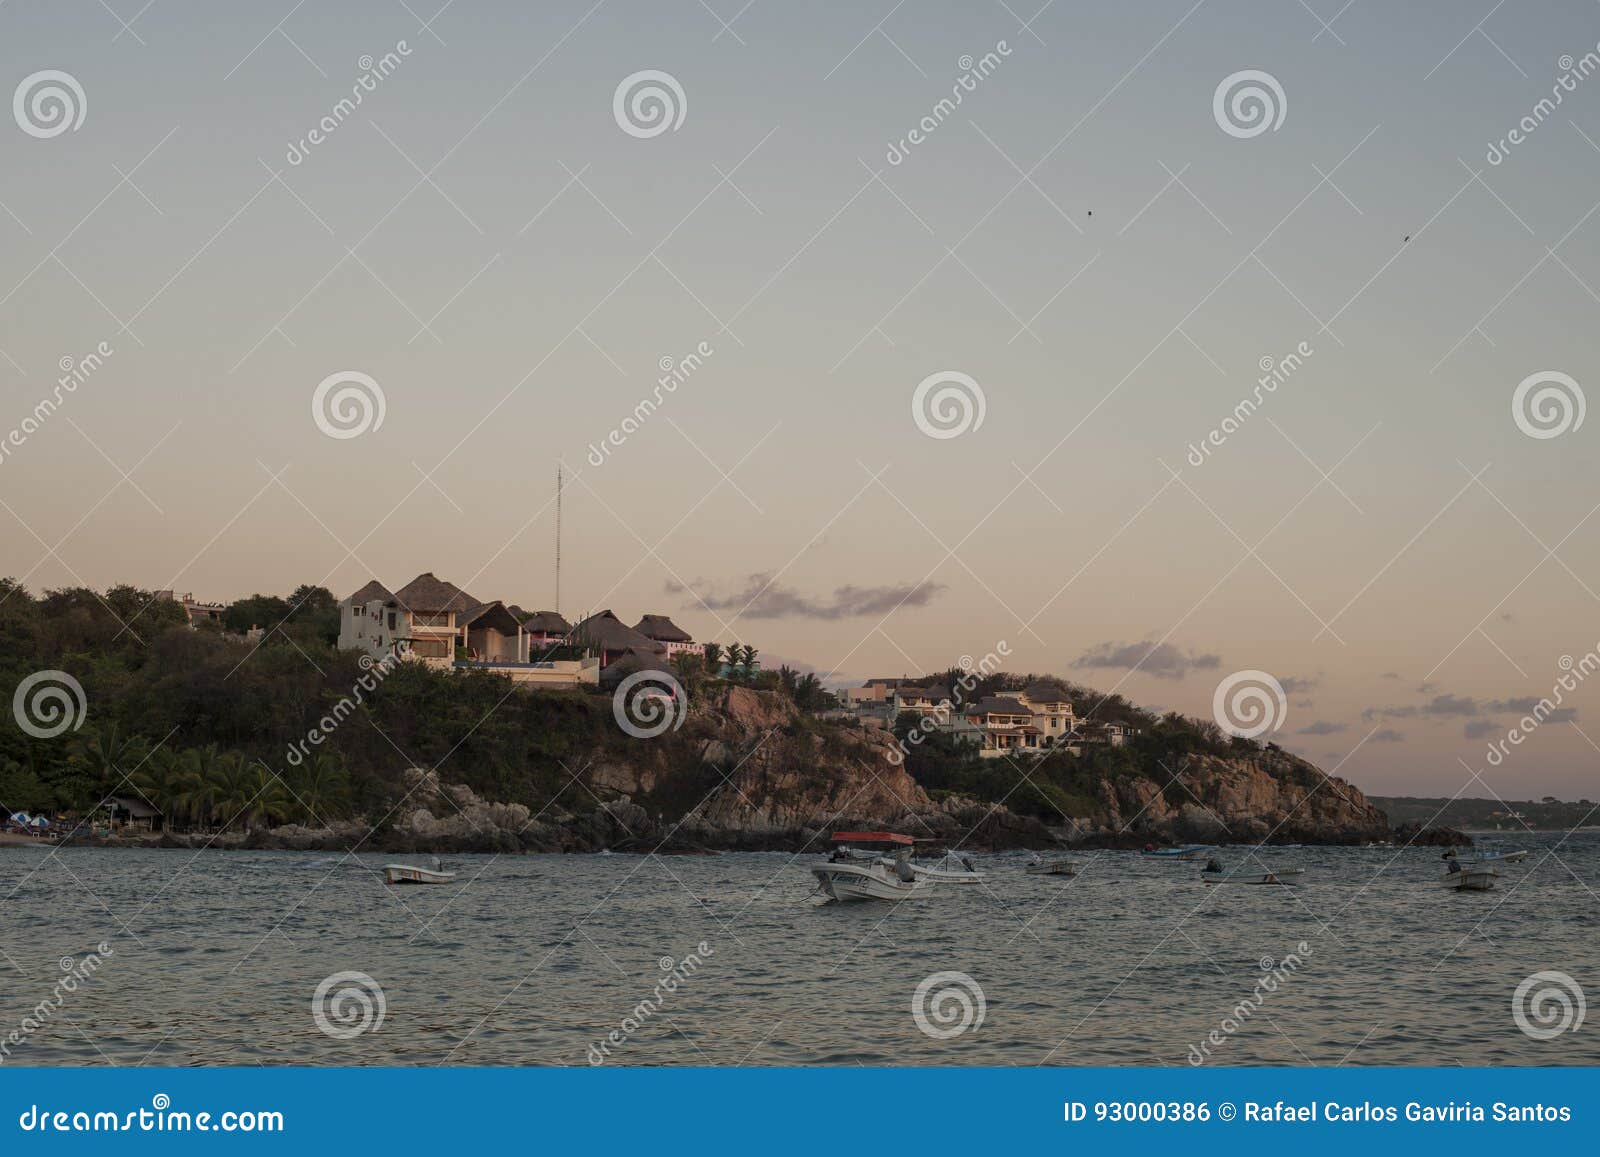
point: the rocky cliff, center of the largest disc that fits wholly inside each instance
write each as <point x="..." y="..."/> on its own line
<point x="747" y="771"/>
<point x="1272" y="796"/>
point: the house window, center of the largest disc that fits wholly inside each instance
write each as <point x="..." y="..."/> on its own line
<point x="391" y="620"/>
<point x="431" y="648"/>
<point x="438" y="620"/>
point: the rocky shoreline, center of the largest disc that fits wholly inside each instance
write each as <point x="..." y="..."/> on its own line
<point x="748" y="772"/>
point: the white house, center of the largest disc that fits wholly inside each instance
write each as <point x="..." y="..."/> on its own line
<point x="435" y="622"/>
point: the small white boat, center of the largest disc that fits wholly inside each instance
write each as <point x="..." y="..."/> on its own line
<point x="411" y="874"/>
<point x="952" y="869"/>
<point x="844" y="876"/>
<point x="1055" y="866"/>
<point x="1187" y="852"/>
<point x="1288" y="877"/>
<point x="1470" y="877"/>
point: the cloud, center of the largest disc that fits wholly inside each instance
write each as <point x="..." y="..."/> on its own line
<point x="1323" y="727"/>
<point x="1294" y="685"/>
<point x="1390" y="675"/>
<point x="1479" y="728"/>
<point x="1163" y="660"/>
<point x="1388" y="735"/>
<point x="760" y="596"/>
<point x="1439" y="707"/>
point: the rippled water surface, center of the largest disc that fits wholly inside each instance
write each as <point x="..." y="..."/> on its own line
<point x="530" y="960"/>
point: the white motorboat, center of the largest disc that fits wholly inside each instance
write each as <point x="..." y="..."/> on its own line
<point x="953" y="868"/>
<point x="1187" y="852"/>
<point x="1288" y="877"/>
<point x="411" y="874"/>
<point x="887" y="876"/>
<point x="1055" y="866"/>
<point x="1469" y="877"/>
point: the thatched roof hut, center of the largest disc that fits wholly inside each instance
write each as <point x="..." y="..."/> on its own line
<point x="428" y="595"/>
<point x="662" y="629"/>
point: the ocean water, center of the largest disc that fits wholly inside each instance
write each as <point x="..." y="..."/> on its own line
<point x="216" y="959"/>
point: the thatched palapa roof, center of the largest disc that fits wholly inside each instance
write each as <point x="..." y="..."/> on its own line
<point x="428" y="595"/>
<point x="662" y="629"/>
<point x="606" y="631"/>
<point x="373" y="592"/>
<point x="546" y="622"/>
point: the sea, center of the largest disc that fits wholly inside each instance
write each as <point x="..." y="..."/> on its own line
<point x="174" y="957"/>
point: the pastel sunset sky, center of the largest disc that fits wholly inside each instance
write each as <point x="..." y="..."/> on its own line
<point x="1107" y="249"/>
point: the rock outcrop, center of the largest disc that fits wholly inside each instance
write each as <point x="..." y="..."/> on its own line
<point x="746" y="771"/>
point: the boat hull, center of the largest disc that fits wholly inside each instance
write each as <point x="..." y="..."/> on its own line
<point x="1287" y="877"/>
<point x="1053" y="868"/>
<point x="406" y="874"/>
<point x="1478" y="879"/>
<point x="859" y="882"/>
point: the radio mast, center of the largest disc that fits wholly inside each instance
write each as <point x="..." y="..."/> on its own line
<point x="558" y="540"/>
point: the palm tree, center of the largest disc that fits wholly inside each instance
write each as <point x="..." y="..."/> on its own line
<point x="110" y="754"/>
<point x="158" y="780"/>
<point x="194" y="797"/>
<point x="321" y="789"/>
<point x="267" y="800"/>
<point x="232" y="786"/>
<point x="714" y="657"/>
<point x="748" y="662"/>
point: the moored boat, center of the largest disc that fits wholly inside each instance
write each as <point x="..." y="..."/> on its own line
<point x="888" y="875"/>
<point x="1288" y="877"/>
<point x="953" y="868"/>
<point x="1053" y="866"/>
<point x="1470" y="877"/>
<point x="411" y="874"/>
<point x="1187" y="852"/>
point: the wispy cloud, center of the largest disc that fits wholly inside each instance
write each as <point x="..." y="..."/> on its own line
<point x="1163" y="660"/>
<point x="759" y="597"/>
<point x="1388" y="735"/>
<point x="1323" y="727"/>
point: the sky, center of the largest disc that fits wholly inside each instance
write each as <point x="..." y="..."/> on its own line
<point x="965" y="392"/>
